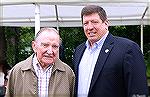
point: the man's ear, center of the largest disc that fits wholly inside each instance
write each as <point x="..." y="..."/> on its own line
<point x="34" y="46"/>
<point x="107" y="22"/>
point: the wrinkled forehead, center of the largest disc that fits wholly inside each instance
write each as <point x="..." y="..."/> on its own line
<point x="48" y="34"/>
<point x="46" y="30"/>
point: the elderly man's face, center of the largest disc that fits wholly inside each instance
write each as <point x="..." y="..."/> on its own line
<point x="46" y="47"/>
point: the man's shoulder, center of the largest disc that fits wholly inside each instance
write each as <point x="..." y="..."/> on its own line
<point x="81" y="45"/>
<point x="124" y="40"/>
<point x="62" y="66"/>
<point x="22" y="64"/>
<point x="65" y="65"/>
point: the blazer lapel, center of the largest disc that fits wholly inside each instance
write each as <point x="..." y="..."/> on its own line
<point x="106" y="49"/>
<point x="76" y="63"/>
<point x="80" y="51"/>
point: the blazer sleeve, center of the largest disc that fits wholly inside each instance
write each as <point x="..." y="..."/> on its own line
<point x="135" y="72"/>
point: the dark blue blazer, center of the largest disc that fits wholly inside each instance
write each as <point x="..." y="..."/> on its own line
<point x="119" y="71"/>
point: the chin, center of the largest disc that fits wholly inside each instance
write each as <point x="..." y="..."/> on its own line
<point x="48" y="61"/>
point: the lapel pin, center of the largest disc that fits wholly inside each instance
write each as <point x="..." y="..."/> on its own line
<point x="107" y="50"/>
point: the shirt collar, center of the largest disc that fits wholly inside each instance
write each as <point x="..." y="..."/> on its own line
<point x="98" y="43"/>
<point x="28" y="64"/>
<point x="37" y="65"/>
<point x="35" y="61"/>
<point x="56" y="66"/>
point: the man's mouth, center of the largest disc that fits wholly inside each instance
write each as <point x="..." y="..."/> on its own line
<point x="91" y="34"/>
<point x="48" y="56"/>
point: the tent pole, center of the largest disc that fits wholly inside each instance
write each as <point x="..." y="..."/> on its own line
<point x="37" y="18"/>
<point x="142" y="28"/>
<point x="142" y="37"/>
<point x="57" y="17"/>
<point x="57" y="23"/>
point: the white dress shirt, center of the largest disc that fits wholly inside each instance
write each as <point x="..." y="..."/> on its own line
<point x="87" y="64"/>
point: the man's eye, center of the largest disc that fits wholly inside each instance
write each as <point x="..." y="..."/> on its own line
<point x="55" y="46"/>
<point x="94" y="22"/>
<point x="44" y="45"/>
<point x="85" y="23"/>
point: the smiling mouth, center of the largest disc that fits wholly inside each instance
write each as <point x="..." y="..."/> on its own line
<point x="48" y="56"/>
<point x="91" y="34"/>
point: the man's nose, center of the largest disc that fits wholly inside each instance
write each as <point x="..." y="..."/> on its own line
<point x="90" y="26"/>
<point x="50" y="50"/>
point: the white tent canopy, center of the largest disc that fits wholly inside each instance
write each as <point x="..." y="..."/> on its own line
<point x="66" y="13"/>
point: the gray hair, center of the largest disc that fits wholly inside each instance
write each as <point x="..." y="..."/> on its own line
<point x="48" y="29"/>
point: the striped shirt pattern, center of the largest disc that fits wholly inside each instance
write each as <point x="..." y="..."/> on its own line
<point x="43" y="78"/>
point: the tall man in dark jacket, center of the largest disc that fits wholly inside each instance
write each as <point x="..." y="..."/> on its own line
<point x="106" y="65"/>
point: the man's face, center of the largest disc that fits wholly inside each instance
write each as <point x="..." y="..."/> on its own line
<point x="94" y="28"/>
<point x="46" y="47"/>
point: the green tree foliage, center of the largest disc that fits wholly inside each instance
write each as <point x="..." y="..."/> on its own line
<point x="19" y="41"/>
<point x="26" y="38"/>
<point x="147" y="60"/>
<point x="147" y="48"/>
<point x="10" y="37"/>
<point x="130" y="32"/>
<point x="71" y="38"/>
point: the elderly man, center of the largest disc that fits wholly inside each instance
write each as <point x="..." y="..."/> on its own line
<point x="43" y="74"/>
